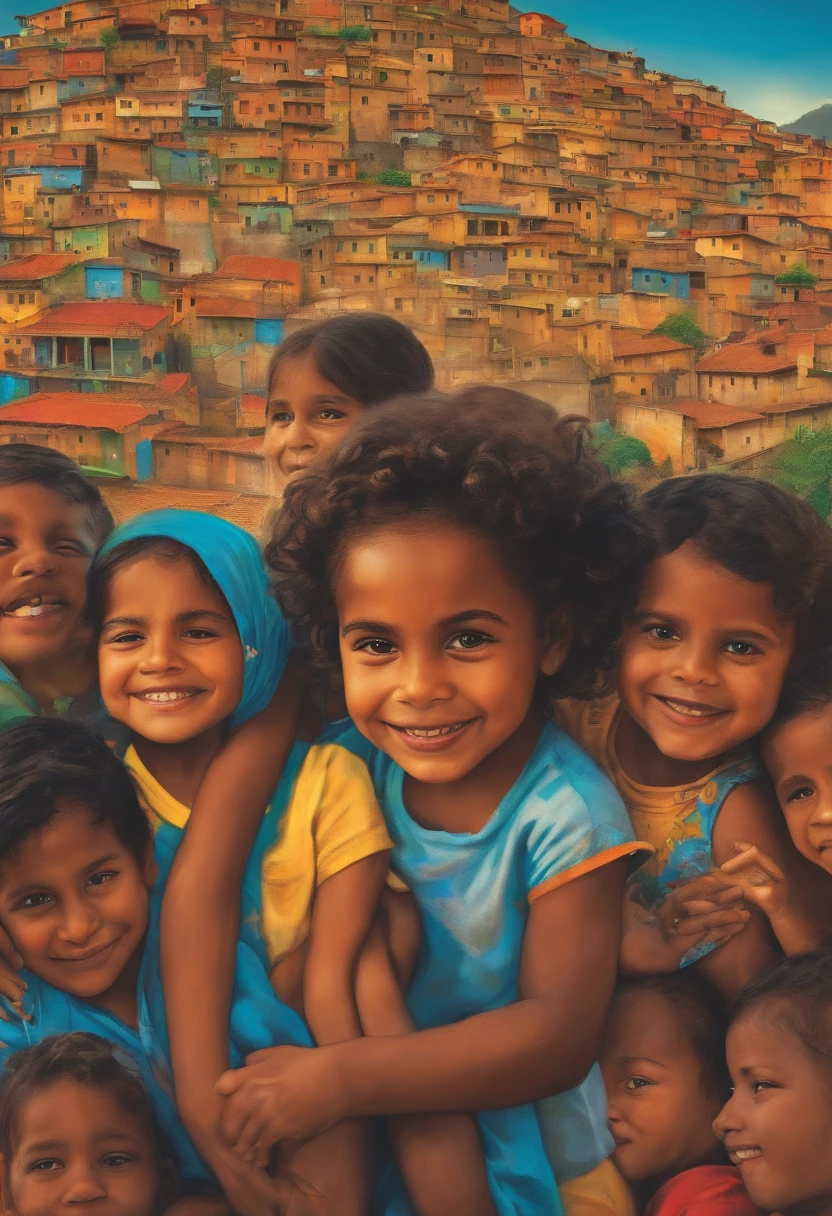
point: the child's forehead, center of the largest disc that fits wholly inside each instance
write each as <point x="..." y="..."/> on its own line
<point x="75" y="835"/>
<point x="51" y="508"/>
<point x="67" y="1106"/>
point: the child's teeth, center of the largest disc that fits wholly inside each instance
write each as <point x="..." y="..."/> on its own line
<point x="28" y="610"/>
<point x="166" y="696"/>
<point x="434" y="733"/>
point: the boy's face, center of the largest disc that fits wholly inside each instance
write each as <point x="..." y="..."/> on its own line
<point x="74" y="901"/>
<point x="78" y="1149"/>
<point x="777" y="1125"/>
<point x="46" y="546"/>
<point x="658" y="1109"/>
<point x="704" y="657"/>
<point x="440" y="649"/>
<point x="170" y="659"/>
<point x="798" y="756"/>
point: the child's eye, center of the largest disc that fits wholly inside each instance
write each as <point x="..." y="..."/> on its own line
<point x="805" y="791"/>
<point x="636" y="1083"/>
<point x="39" y="900"/>
<point x="378" y="646"/>
<point x="756" y="1086"/>
<point x="199" y="635"/>
<point x="330" y="414"/>
<point x="740" y="648"/>
<point x="280" y="416"/>
<point x="661" y="633"/>
<point x="117" y="1160"/>
<point x="45" y="1165"/>
<point x="469" y="641"/>
<point x="102" y="877"/>
<point x="71" y="546"/>
<point x="126" y="639"/>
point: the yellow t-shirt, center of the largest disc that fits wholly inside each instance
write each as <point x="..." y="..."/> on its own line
<point x="332" y="819"/>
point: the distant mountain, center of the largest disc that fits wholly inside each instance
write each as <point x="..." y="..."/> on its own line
<point x="817" y="122"/>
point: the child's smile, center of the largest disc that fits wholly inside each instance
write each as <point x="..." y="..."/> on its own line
<point x="441" y="650"/>
<point x="702" y="661"/>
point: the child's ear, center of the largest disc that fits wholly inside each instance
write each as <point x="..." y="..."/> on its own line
<point x="6" y="1208"/>
<point x="558" y="635"/>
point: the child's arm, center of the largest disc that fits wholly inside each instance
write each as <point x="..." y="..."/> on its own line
<point x="749" y="813"/>
<point x="543" y="1044"/>
<point x="200" y="919"/>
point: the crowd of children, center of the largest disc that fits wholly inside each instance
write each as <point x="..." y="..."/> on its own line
<point x="465" y="851"/>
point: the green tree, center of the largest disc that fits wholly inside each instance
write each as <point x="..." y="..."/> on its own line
<point x="798" y="275"/>
<point x="355" y="33"/>
<point x="682" y="327"/>
<point x="393" y="177"/>
<point x="109" y="37"/>
<point x="619" y="452"/>
<point x="804" y="465"/>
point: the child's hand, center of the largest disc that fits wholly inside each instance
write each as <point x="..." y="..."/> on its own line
<point x="701" y="911"/>
<point x="12" y="987"/>
<point x="283" y="1093"/>
<point x="763" y="883"/>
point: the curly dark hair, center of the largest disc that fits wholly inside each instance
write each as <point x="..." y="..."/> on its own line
<point x="756" y="531"/>
<point x="797" y="994"/>
<point x="492" y="460"/>
<point x="82" y="1057"/>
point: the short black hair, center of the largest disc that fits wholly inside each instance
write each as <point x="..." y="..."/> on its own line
<point x="807" y="691"/>
<point x="28" y="462"/>
<point x="758" y="532"/>
<point x="493" y="461"/>
<point x="85" y="1058"/>
<point x="702" y="1015"/>
<point x="47" y="762"/>
<point x="162" y="548"/>
<point x="798" y="992"/>
<point x="366" y="355"/>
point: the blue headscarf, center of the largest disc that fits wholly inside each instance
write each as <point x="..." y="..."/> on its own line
<point x="234" y="561"/>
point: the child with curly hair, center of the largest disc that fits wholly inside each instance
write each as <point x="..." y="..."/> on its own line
<point x="737" y="592"/>
<point x="458" y="562"/>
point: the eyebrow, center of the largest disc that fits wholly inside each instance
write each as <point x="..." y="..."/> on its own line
<point x="625" y="1060"/>
<point x="179" y="619"/>
<point x="459" y="618"/>
<point x="47" y="1146"/>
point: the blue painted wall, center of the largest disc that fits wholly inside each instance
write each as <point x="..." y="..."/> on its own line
<point x="104" y="282"/>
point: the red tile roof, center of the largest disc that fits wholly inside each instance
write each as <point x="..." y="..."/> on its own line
<point x="172" y="383"/>
<point x="38" y="266"/>
<point x="624" y="347"/>
<point x="252" y="401"/>
<point x="92" y="411"/>
<point x="270" y="270"/>
<point x="711" y="413"/>
<point x="98" y="318"/>
<point x="746" y="360"/>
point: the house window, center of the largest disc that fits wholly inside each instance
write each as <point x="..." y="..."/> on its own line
<point x="323" y="280"/>
<point x="355" y="246"/>
<point x="735" y="245"/>
<point x="306" y="171"/>
<point x="473" y="228"/>
<point x="754" y="381"/>
<point x="371" y="247"/>
<point x="732" y="381"/>
<point x="397" y="304"/>
<point x="430" y="198"/>
<point x="527" y="253"/>
<point x="365" y="101"/>
<point x="356" y="278"/>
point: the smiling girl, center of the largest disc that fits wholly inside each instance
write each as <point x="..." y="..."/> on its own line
<point x="458" y="567"/>
<point x="737" y="589"/>
<point x="777" y="1125"/>
<point x="322" y="379"/>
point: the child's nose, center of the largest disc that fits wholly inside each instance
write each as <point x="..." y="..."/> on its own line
<point x="83" y="1185"/>
<point x="694" y="664"/>
<point x="80" y="921"/>
<point x="298" y="436"/>
<point x="33" y="560"/>
<point x="423" y="682"/>
<point x="161" y="654"/>
<point x="727" y="1120"/>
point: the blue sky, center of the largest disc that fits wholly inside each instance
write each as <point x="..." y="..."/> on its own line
<point x="774" y="59"/>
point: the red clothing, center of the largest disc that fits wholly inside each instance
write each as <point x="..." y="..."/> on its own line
<point x="708" y="1190"/>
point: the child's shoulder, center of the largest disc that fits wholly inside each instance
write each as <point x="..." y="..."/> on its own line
<point x="562" y="772"/>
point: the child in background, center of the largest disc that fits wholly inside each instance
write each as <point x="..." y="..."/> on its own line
<point x="77" y="1131"/>
<point x="52" y="520"/>
<point x="663" y="1060"/>
<point x="796" y="749"/>
<point x="323" y="377"/>
<point x="185" y="619"/>
<point x="739" y="589"/>
<point x="777" y="1125"/>
<point x="458" y="567"/>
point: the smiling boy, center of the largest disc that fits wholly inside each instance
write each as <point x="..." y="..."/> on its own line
<point x="52" y="520"/>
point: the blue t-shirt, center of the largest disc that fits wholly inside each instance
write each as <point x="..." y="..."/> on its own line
<point x="561" y="818"/>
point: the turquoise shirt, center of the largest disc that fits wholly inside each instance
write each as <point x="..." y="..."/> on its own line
<point x="562" y="817"/>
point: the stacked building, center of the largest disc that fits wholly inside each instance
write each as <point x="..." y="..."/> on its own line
<point x="184" y="182"/>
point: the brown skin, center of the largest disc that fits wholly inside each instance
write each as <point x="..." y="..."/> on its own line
<point x="702" y="665"/>
<point x="435" y="633"/>
<point x="659" y="1109"/>
<point x="306" y="417"/>
<point x="77" y="1149"/>
<point x="777" y="1125"/>
<point x="46" y="547"/>
<point x="74" y="901"/>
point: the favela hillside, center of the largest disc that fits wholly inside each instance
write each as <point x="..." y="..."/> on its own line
<point x="183" y="185"/>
